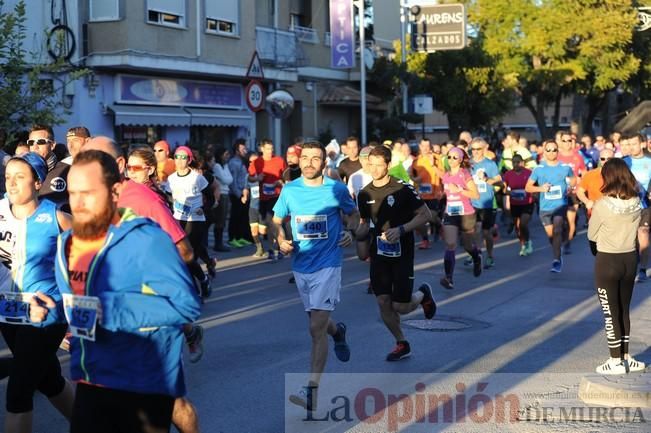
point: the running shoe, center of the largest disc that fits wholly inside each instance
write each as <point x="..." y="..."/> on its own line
<point x="557" y="266"/>
<point x="641" y="276"/>
<point x="342" y="350"/>
<point x="612" y="366"/>
<point x="424" y="245"/>
<point x="467" y="261"/>
<point x="489" y="263"/>
<point x="634" y="364"/>
<point x="428" y="303"/>
<point x="523" y="250"/>
<point x="306" y="397"/>
<point x="234" y="243"/>
<point x="259" y="253"/>
<point x="476" y="264"/>
<point x="243" y="242"/>
<point x="447" y="283"/>
<point x="292" y="280"/>
<point x="529" y="247"/>
<point x="401" y="351"/>
<point x="195" y="343"/>
<point x="206" y="290"/>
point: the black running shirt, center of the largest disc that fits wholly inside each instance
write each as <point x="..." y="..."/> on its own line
<point x="389" y="206"/>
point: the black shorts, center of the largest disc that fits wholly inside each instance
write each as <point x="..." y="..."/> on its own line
<point x="435" y="205"/>
<point x="106" y="410"/>
<point x="572" y="200"/>
<point x="254" y="216"/>
<point x="486" y="217"/>
<point x="518" y="210"/>
<point x="266" y="207"/>
<point x="393" y="277"/>
<point x="466" y="223"/>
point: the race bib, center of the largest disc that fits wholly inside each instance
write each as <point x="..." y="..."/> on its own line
<point x="255" y="192"/>
<point x="554" y="193"/>
<point x="425" y="188"/>
<point x="269" y="188"/>
<point x="454" y="208"/>
<point x="309" y="227"/>
<point x="387" y="249"/>
<point x="81" y="314"/>
<point x="14" y="308"/>
<point x="181" y="208"/>
<point x="482" y="186"/>
<point x="518" y="194"/>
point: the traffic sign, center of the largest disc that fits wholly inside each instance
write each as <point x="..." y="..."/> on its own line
<point x="255" y="67"/>
<point x="438" y="27"/>
<point x="255" y="95"/>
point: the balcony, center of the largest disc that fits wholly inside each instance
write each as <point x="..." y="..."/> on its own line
<point x="305" y="34"/>
<point x="279" y="48"/>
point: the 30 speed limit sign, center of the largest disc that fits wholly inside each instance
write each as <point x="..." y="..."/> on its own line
<point x="255" y="95"/>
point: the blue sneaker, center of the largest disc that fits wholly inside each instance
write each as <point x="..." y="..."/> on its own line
<point x="342" y="350"/>
<point x="557" y="266"/>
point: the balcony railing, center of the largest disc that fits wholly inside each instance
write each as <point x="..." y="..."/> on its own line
<point x="305" y="34"/>
<point x="279" y="48"/>
<point x="327" y="39"/>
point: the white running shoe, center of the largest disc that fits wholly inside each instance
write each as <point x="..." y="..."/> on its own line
<point x="612" y="366"/>
<point x="635" y="365"/>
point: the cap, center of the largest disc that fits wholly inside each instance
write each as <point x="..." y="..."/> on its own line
<point x="365" y="152"/>
<point x="78" y="131"/>
<point x="37" y="163"/>
<point x="185" y="150"/>
<point x="294" y="150"/>
<point x="164" y="144"/>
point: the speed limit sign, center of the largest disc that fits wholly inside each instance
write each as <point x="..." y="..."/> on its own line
<point x="255" y="95"/>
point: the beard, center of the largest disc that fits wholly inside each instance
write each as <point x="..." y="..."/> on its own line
<point x="98" y="225"/>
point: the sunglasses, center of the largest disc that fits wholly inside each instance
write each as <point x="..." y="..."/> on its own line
<point x="159" y="150"/>
<point x="566" y="141"/>
<point x="137" y="167"/>
<point x="604" y="159"/>
<point x="477" y="148"/>
<point x="181" y="156"/>
<point x="551" y="150"/>
<point x="456" y="158"/>
<point x="40" y="141"/>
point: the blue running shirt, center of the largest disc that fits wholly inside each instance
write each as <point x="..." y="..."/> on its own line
<point x="556" y="175"/>
<point x="481" y="171"/>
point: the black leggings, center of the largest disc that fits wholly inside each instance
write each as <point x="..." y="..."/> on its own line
<point x="106" y="410"/>
<point x="614" y="279"/>
<point x="35" y="365"/>
<point x="196" y="231"/>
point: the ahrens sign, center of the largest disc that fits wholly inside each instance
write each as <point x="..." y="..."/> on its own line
<point x="438" y="27"/>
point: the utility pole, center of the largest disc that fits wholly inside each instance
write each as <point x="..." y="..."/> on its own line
<point x="362" y="68"/>
<point x="403" y="41"/>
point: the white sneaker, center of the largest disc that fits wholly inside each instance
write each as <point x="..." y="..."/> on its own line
<point x="612" y="366"/>
<point x="635" y="365"/>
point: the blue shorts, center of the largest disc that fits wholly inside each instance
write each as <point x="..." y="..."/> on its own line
<point x="547" y="217"/>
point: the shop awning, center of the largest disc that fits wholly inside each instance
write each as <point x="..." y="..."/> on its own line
<point x="636" y="119"/>
<point x="148" y="115"/>
<point x="217" y="117"/>
<point x="343" y="95"/>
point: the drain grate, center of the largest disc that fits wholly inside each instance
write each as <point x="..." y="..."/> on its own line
<point x="444" y="324"/>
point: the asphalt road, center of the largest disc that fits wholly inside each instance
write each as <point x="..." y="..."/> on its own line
<point x="517" y="328"/>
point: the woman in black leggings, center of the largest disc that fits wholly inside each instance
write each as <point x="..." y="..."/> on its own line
<point x="613" y="228"/>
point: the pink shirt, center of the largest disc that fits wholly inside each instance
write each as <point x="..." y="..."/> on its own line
<point x="146" y="203"/>
<point x="457" y="203"/>
<point x="516" y="183"/>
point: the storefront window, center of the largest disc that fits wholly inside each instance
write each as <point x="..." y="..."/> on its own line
<point x="135" y="135"/>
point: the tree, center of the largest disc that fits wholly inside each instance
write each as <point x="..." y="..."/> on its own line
<point x="545" y="49"/>
<point x="27" y="92"/>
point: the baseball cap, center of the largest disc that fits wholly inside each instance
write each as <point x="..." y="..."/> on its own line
<point x="365" y="152"/>
<point x="78" y="131"/>
<point x="294" y="150"/>
<point x="37" y="163"/>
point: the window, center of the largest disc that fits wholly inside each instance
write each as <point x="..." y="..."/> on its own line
<point x="166" y="12"/>
<point x="104" y="10"/>
<point x="222" y="17"/>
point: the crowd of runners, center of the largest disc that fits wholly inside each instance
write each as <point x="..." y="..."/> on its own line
<point x="76" y="217"/>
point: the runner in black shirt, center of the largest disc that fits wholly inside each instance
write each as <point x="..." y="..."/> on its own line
<point x="390" y="210"/>
<point x="351" y="164"/>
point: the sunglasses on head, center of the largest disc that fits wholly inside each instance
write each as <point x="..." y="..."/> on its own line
<point x="551" y="150"/>
<point x="39" y="141"/>
<point x="181" y="156"/>
<point x="137" y="167"/>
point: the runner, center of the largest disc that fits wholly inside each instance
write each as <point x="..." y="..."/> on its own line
<point x="293" y="170"/>
<point x="552" y="180"/>
<point x="352" y="163"/>
<point x="571" y="157"/>
<point x="27" y="250"/>
<point x="164" y="164"/>
<point x="268" y="171"/>
<point x="315" y="203"/>
<point x="486" y="177"/>
<point x="459" y="214"/>
<point x="589" y="189"/>
<point x="41" y="140"/>
<point x="613" y="226"/>
<point x="390" y="211"/>
<point x="640" y="166"/>
<point x="121" y="386"/>
<point x="428" y="182"/>
<point x="519" y="202"/>
<point x="76" y="138"/>
<point x="361" y="177"/>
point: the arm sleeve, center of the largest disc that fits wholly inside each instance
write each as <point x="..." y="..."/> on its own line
<point x="364" y="210"/>
<point x="595" y="222"/>
<point x="167" y="298"/>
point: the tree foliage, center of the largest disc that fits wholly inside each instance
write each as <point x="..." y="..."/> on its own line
<point x="28" y="93"/>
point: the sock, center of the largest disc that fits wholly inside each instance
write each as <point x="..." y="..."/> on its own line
<point x="449" y="260"/>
